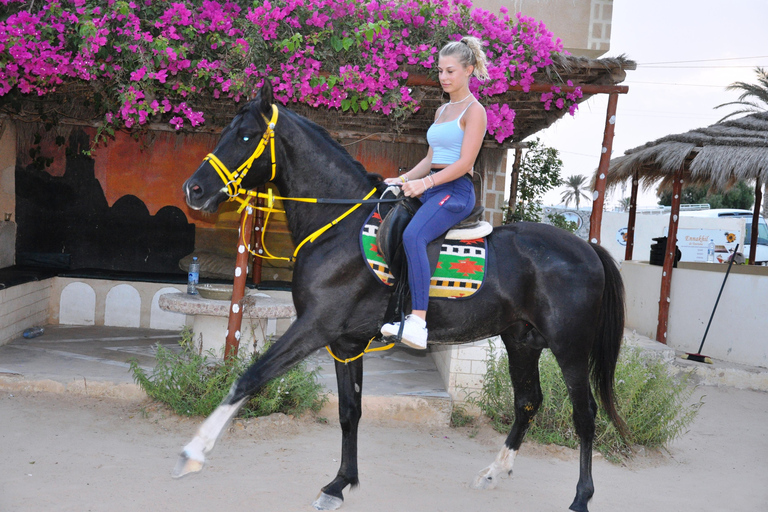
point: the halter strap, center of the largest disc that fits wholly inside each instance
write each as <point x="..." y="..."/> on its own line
<point x="232" y="180"/>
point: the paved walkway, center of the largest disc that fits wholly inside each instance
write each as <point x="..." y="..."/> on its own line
<point x="94" y="360"/>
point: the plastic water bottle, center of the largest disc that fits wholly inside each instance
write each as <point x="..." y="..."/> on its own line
<point x="193" y="277"/>
<point x="711" y="251"/>
<point x="33" y="332"/>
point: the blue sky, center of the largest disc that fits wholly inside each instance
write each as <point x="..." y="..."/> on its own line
<point x="729" y="40"/>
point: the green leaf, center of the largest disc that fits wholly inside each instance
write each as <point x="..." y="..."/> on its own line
<point x="364" y="105"/>
<point x="347" y="43"/>
<point x="336" y="43"/>
<point x="345" y="105"/>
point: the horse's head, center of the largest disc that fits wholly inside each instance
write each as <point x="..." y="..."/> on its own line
<point x="237" y="160"/>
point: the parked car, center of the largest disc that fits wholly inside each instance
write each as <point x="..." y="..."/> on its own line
<point x="761" y="255"/>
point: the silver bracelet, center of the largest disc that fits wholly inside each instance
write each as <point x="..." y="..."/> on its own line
<point x="432" y="180"/>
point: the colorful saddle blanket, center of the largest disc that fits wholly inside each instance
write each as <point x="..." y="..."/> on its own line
<point x="460" y="268"/>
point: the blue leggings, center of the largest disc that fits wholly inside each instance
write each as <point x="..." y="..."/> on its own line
<point x="442" y="207"/>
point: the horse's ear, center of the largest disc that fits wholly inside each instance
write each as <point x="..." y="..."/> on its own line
<point x="267" y="98"/>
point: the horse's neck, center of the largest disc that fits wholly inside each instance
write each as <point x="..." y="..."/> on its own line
<point x="312" y="167"/>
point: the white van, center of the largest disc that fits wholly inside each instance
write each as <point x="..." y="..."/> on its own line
<point x="761" y="256"/>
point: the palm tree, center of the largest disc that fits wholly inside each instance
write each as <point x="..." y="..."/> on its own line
<point x="576" y="189"/>
<point x="754" y="97"/>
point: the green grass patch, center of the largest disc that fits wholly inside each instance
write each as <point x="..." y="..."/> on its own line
<point x="653" y="403"/>
<point x="192" y="383"/>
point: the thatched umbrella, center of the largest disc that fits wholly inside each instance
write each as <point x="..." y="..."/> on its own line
<point x="718" y="156"/>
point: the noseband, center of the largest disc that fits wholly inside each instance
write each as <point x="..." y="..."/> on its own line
<point x="232" y="180"/>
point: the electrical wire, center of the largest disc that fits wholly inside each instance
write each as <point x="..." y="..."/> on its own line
<point x="701" y="60"/>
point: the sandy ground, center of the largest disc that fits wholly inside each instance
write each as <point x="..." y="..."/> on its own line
<point x="69" y="453"/>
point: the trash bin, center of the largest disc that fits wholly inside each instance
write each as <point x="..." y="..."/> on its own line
<point x="658" y="249"/>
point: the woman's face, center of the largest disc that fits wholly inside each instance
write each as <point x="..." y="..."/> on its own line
<point x="453" y="76"/>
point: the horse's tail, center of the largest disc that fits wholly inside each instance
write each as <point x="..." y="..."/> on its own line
<point x="610" y="331"/>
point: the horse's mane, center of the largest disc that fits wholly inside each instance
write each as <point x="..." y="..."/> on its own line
<point x="373" y="178"/>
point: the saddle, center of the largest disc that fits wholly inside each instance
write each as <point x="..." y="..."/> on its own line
<point x="389" y="241"/>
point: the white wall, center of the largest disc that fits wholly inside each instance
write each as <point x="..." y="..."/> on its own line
<point x="739" y="330"/>
<point x="648" y="227"/>
<point x="76" y="301"/>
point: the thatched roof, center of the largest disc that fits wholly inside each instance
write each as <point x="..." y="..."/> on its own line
<point x="718" y="155"/>
<point x="72" y="104"/>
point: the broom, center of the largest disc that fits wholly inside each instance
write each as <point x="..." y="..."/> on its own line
<point x="698" y="357"/>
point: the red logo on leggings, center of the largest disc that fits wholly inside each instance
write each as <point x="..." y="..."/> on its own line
<point x="445" y="199"/>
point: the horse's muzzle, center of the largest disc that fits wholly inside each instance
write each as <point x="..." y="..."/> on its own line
<point x="198" y="198"/>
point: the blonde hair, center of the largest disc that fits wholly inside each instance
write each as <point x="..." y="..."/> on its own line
<point x="469" y="52"/>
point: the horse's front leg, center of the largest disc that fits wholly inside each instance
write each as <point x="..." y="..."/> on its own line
<point x="192" y="457"/>
<point x="298" y="342"/>
<point x="350" y="383"/>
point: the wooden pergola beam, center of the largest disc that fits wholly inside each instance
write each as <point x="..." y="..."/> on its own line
<point x="669" y="258"/>
<point x="632" y="217"/>
<point x="755" y="221"/>
<point x="598" y="196"/>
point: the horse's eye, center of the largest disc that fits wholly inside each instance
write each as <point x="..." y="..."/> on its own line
<point x="246" y="139"/>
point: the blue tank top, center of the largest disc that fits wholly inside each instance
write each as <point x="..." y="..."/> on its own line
<point x="445" y="139"/>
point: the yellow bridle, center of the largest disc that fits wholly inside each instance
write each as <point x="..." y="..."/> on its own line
<point x="232" y="181"/>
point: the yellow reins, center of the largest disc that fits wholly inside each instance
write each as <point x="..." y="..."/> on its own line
<point x="361" y="354"/>
<point x="269" y="209"/>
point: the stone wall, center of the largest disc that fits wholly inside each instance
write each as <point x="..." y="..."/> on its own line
<point x="23" y="306"/>
<point x="462" y="367"/>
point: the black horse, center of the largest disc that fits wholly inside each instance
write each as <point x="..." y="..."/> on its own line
<point x="544" y="288"/>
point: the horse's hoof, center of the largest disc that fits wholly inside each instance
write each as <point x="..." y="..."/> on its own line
<point x="485" y="480"/>
<point x="327" y="502"/>
<point x="187" y="465"/>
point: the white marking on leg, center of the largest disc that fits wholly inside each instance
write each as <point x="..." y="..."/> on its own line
<point x="192" y="457"/>
<point x="501" y="467"/>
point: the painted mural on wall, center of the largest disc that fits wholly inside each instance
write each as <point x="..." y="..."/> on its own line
<point x="65" y="220"/>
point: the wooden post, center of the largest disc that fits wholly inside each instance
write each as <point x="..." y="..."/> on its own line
<point x="632" y="218"/>
<point x="598" y="196"/>
<point x="256" y="241"/>
<point x="513" y="181"/>
<point x="238" y="289"/>
<point x="755" y="222"/>
<point x="669" y="258"/>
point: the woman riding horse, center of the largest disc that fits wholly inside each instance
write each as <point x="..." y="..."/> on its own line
<point x="443" y="177"/>
<point x="543" y="288"/>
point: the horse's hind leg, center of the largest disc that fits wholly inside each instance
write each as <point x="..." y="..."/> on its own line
<point x="576" y="376"/>
<point x="524" y="371"/>
<point x="350" y="383"/>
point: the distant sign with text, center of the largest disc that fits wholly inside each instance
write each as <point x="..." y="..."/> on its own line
<point x="694" y="243"/>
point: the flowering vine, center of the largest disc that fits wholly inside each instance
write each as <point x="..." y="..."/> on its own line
<point x="154" y="60"/>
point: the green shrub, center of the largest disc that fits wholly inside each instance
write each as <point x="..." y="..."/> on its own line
<point x="649" y="398"/>
<point x="194" y="384"/>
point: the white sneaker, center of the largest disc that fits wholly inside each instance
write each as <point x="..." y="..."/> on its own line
<point x="414" y="331"/>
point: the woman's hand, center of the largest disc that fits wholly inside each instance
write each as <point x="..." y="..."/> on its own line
<point x="415" y="188"/>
